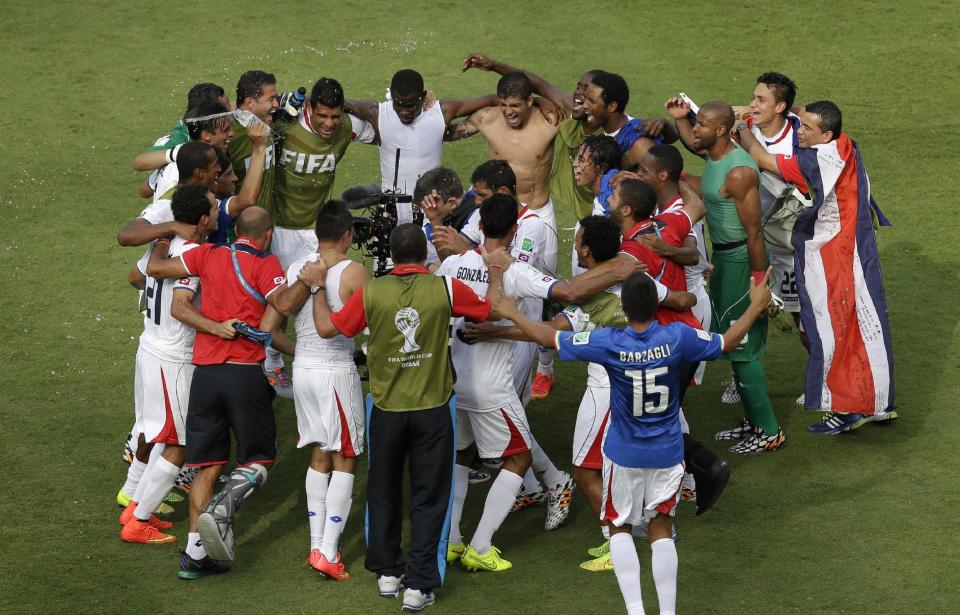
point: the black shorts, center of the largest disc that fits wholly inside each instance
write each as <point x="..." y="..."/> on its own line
<point x="225" y="397"/>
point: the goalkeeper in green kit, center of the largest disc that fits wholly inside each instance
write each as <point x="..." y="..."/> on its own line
<point x="730" y="191"/>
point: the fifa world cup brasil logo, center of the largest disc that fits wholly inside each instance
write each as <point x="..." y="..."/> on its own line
<point x="407" y="321"/>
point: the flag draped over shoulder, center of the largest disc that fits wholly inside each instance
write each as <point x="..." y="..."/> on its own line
<point x="843" y="307"/>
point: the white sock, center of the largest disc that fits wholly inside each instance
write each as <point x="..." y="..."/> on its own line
<point x="461" y="483"/>
<point x="663" y="559"/>
<point x="530" y="480"/>
<point x="500" y="498"/>
<point x="134" y="474"/>
<point x="545" y="356"/>
<point x="274" y="359"/>
<point x="544" y="467"/>
<point x="152" y="461"/>
<point x="626" y="565"/>
<point x="195" y="546"/>
<point x="605" y="531"/>
<point x="159" y="482"/>
<point x="316" y="485"/>
<point x="338" y="508"/>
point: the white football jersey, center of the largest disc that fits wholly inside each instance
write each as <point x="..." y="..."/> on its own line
<point x="312" y="350"/>
<point x="420" y="144"/>
<point x="163" y="335"/>
<point x="772" y="187"/>
<point x="485" y="370"/>
<point x="166" y="178"/>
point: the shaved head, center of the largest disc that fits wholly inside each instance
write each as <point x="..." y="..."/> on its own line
<point x="719" y="111"/>
<point x="254" y="222"/>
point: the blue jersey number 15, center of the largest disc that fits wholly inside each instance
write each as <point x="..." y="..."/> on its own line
<point x="648" y="396"/>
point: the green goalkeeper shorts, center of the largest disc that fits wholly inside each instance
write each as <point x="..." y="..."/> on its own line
<point x="730" y="296"/>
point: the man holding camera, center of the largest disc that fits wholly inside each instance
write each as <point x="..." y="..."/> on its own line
<point x="409" y="412"/>
<point x="228" y="391"/>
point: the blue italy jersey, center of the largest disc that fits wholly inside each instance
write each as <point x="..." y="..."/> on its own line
<point x="645" y="368"/>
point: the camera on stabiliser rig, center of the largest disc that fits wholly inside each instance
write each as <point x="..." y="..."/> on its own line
<point x="385" y="210"/>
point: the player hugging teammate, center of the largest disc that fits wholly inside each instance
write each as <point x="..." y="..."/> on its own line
<point x="243" y="232"/>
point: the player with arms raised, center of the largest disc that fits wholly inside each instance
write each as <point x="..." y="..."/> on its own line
<point x="643" y="449"/>
<point x="730" y="190"/>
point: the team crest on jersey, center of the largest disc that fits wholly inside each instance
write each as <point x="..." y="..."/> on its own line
<point x="407" y="321"/>
<point x="581" y="339"/>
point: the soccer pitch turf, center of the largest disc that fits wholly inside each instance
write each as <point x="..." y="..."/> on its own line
<point x="858" y="523"/>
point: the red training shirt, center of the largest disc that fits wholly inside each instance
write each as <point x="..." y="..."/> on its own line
<point x="673" y="228"/>
<point x="224" y="298"/>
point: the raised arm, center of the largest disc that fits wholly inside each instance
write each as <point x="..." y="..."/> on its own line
<point x="679" y="110"/>
<point x="541" y="333"/>
<point x="540" y="85"/>
<point x="742" y="186"/>
<point x="251" y="182"/>
<point x="764" y="159"/>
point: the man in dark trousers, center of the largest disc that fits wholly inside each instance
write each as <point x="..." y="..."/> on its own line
<point x="409" y="412"/>
<point x="229" y="391"/>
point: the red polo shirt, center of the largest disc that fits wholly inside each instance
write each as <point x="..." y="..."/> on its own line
<point x="224" y="297"/>
<point x="674" y="227"/>
<point x="352" y="319"/>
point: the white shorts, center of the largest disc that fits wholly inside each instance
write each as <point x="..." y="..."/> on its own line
<point x="704" y="312"/>
<point x="592" y="419"/>
<point x="291" y="244"/>
<point x="523" y="354"/>
<point x="783" y="281"/>
<point x="498" y="433"/>
<point x="162" y="391"/>
<point x="631" y="495"/>
<point x="330" y="411"/>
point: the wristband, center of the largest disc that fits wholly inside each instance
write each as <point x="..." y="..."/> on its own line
<point x="315" y="289"/>
<point x="758" y="276"/>
<point x="742" y="126"/>
<point x="172" y="153"/>
<point x="495" y="267"/>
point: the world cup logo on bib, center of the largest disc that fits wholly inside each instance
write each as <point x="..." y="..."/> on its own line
<point x="407" y="321"/>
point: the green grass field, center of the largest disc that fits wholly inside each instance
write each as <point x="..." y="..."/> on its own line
<point x="854" y="524"/>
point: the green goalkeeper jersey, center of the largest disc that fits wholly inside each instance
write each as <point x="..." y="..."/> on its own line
<point x="178" y="135"/>
<point x="723" y="221"/>
<point x="307" y="167"/>
<point x="240" y="149"/>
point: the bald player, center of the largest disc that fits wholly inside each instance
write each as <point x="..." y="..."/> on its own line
<point x="730" y="188"/>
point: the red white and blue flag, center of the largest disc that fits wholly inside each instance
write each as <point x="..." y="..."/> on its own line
<point x="842" y="304"/>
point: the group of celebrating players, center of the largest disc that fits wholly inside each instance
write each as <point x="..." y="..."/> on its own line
<point x="644" y="305"/>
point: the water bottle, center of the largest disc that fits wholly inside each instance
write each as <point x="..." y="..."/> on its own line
<point x="293" y="102"/>
<point x="246" y="118"/>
